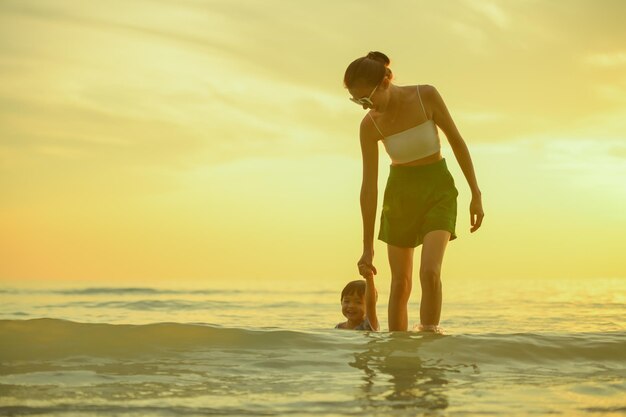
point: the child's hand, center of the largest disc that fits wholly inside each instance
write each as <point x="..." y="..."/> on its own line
<point x="366" y="268"/>
<point x="369" y="276"/>
<point x="366" y="272"/>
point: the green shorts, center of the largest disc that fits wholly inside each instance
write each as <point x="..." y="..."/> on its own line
<point x="418" y="200"/>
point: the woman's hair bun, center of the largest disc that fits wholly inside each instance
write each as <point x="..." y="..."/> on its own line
<point x="379" y="56"/>
<point x="369" y="69"/>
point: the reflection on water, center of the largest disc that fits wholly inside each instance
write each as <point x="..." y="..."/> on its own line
<point x="396" y="376"/>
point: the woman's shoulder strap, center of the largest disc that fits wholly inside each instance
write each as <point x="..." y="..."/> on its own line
<point x="420" y="97"/>
<point x="373" y="121"/>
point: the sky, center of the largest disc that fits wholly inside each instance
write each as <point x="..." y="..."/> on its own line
<point x="207" y="142"/>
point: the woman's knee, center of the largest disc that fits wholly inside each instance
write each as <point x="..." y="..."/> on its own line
<point x="401" y="285"/>
<point x="430" y="277"/>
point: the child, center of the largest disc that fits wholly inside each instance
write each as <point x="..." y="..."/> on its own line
<point x="358" y="305"/>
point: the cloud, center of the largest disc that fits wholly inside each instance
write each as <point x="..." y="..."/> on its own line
<point x="618" y="150"/>
<point x="61" y="13"/>
<point x="615" y="92"/>
<point x="491" y="11"/>
<point x="480" y="117"/>
<point x="186" y="81"/>
<point x="144" y="92"/>
<point x="607" y="60"/>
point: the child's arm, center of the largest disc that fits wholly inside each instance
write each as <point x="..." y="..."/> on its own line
<point x="370" y="301"/>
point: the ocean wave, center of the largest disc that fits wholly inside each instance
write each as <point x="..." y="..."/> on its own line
<point x="148" y="305"/>
<point x="47" y="338"/>
<point x="137" y="291"/>
<point x="153" y="291"/>
<point x="119" y="410"/>
<point x="171" y="305"/>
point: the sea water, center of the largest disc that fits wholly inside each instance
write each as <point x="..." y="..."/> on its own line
<point x="510" y="348"/>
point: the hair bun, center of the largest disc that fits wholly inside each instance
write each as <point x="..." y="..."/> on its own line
<point x="379" y="56"/>
<point x="367" y="70"/>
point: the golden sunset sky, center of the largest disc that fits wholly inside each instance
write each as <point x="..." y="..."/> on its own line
<point x="213" y="141"/>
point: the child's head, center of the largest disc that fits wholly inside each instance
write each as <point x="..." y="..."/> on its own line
<point x="353" y="300"/>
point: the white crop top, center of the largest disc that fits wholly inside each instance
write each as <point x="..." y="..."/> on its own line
<point x="413" y="143"/>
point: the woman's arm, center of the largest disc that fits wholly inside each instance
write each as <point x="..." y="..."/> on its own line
<point x="442" y="117"/>
<point x="369" y="192"/>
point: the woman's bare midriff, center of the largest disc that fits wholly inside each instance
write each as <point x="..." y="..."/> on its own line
<point x="422" y="161"/>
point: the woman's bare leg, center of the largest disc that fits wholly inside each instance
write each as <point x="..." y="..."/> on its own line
<point x="433" y="249"/>
<point x="401" y="263"/>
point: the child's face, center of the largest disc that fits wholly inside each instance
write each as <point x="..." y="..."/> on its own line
<point x="353" y="307"/>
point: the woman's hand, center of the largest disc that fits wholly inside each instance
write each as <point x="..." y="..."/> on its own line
<point x="476" y="212"/>
<point x="365" y="265"/>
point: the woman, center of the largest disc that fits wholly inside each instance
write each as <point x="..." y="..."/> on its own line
<point x="419" y="206"/>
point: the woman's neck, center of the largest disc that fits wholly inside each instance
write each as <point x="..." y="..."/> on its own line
<point x="395" y="102"/>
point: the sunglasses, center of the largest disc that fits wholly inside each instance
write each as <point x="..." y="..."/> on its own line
<point x="364" y="100"/>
